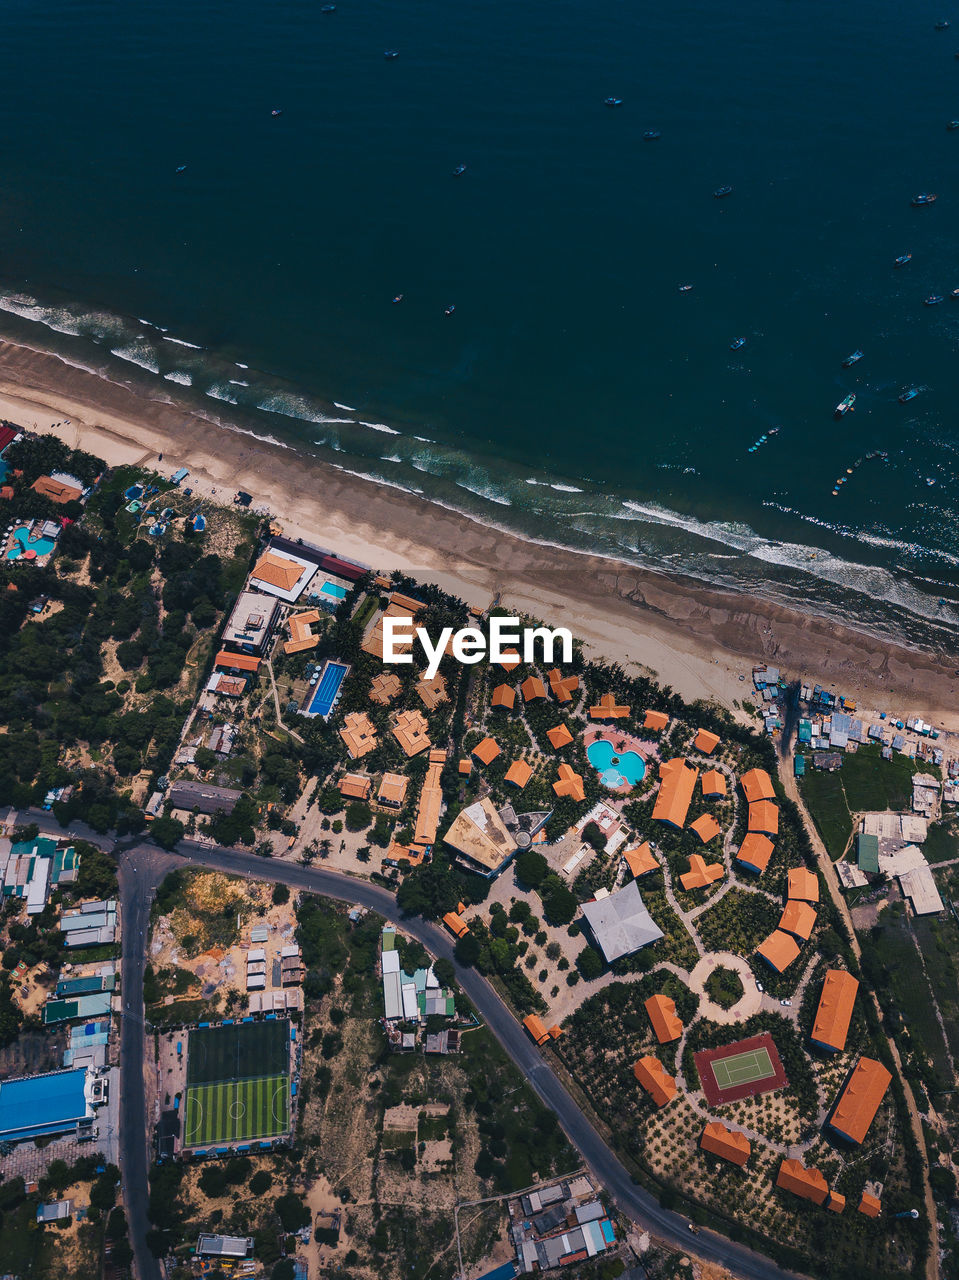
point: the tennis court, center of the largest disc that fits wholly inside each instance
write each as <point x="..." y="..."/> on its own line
<point x="744" y="1068"/>
<point x="237" y="1111"/>
<point x="731" y="1072"/>
<point x="238" y="1051"/>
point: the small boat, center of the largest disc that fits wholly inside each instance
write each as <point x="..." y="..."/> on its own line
<point x="933" y="300"/>
<point x="942" y="25"/>
<point x="722" y="191"/>
<point x="954" y="294"/>
<point x="737" y="343"/>
<point x="277" y="111"/>
<point x="650" y="134"/>
<point x="397" y="297"/>
<point x="181" y="168"/>
<point x="327" y="8"/>
<point x="391" y="53"/>
<point x="459" y="170"/>
<point x="851" y="360"/>
<point x="685" y="288"/>
<point x="450" y="309"/>
<point x="924" y="197"/>
<point x="909" y="394"/>
<point x="953" y="124"/>
<point x="903" y="259"/>
<point x="612" y="102"/>
<point x="845" y="405"/>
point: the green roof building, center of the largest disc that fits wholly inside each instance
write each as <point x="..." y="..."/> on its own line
<point x="867" y="853"/>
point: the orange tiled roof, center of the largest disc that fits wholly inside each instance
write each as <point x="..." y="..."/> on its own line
<point x="807" y="1183"/>
<point x="706" y="827"/>
<point x="385" y="687"/>
<point x="432" y="692"/>
<point x="836" y="1202"/>
<point x="570" y="783"/>
<point x="559" y="736"/>
<point x="236" y="661"/>
<point x="563" y="687"/>
<point x="798" y="918"/>
<point x="532" y="689"/>
<point x="355" y="786"/>
<point x="301" y="634"/>
<point x="764" y="816"/>
<point x="859" y="1101"/>
<point x="392" y="789"/>
<point x="456" y="924"/>
<point x="675" y="792"/>
<point x="641" y="860"/>
<point x="757" y="785"/>
<point x="662" y="1014"/>
<point x="535" y="1028"/>
<point x="779" y="950"/>
<point x="358" y="733"/>
<point x="229" y="686"/>
<point x="706" y="741"/>
<point x="56" y="490"/>
<point x="869" y="1205"/>
<point x="430" y="802"/>
<point x="555" y="1031"/>
<point x="608" y="709"/>
<point x="803" y="884"/>
<point x="509" y="661"/>
<point x="728" y="1143"/>
<point x="652" y="1075"/>
<point x="410" y="731"/>
<point x="466" y="766"/>
<point x="504" y="695"/>
<point x="519" y="773"/>
<point x="277" y="571"/>
<point x="713" y="783"/>
<point x="486" y="751"/>
<point x="656" y="720"/>
<point x="399" y="607"/>
<point x="755" y="851"/>
<point x="701" y="874"/>
<point x="834" y="1013"/>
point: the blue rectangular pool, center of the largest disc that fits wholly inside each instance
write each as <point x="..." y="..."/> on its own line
<point x="327" y="687"/>
<point x="336" y="592"/>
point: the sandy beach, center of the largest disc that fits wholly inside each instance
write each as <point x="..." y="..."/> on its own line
<point x="696" y="639"/>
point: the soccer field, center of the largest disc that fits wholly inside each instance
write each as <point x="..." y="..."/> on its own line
<point x="238" y="1052"/>
<point x="237" y="1111"/>
<point x="743" y="1068"/>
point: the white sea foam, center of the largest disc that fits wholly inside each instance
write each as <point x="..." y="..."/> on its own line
<point x="237" y="382"/>
<point x="566" y="488"/>
<point x="424" y="439"/>
<point x="381" y="426"/>
<point x="134" y="356"/>
<point x="221" y="393"/>
<point x="241" y="366"/>
<point x="292" y="406"/>
<point x="177" y="375"/>
<point x="366" y="475"/>
<point x="483" y="493"/>
<point x="532" y="481"/>
<point x="181" y="343"/>
<point x="348" y="407"/>
<point x="390" y="457"/>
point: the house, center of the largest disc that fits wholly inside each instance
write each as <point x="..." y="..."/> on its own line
<point x="430" y="803"/>
<point x="569" y="783"/>
<point x="359" y="734"/>
<point x="656" y="721"/>
<point x="675" y="792"/>
<point x="798" y="918"/>
<point x="867" y="853"/>
<point x="504" y="697"/>
<point x="563" y="687"/>
<point x="705" y="741"/>
<point x="465" y="767"/>
<point x="54" y="1211"/>
<point x="226" y="686"/>
<point x="398" y="606"/>
<point x="559" y="736"/>
<point x="410" y="731"/>
<point x="509" y="661"/>
<point x="608" y="709"/>
<point x="532" y="689"/>
<point x="202" y="797"/>
<point x="835" y="1202"/>
<point x="727" y="1143"/>
<point x="481" y="837"/>
<point x="251" y="623"/>
<point x="243" y="664"/>
<point x="432" y="692"/>
<point x="456" y="924"/>
<point x="919" y="885"/>
<point x="282" y="574"/>
<point x="757" y="785"/>
<point x="519" y="773"/>
<point x="755" y="852"/>
<point x="47" y="1104"/>
<point x="392" y="792"/>
<point x="640" y="860"/>
<point x="713" y="784"/>
<point x="91" y="924"/>
<point x="620" y="922"/>
<point x="802" y="884"/>
<point x="208" y="1246"/>
<point x="859" y="1101"/>
<point x="706" y="827"/>
<point x="58" y="488"/>
<point x="779" y="950"/>
<point x="809" y="1184"/>
<point x="764" y="817"/>
<point x="537" y="1030"/>
<point x="869" y="1205"/>
<point x="662" y="1015"/>
<point x="701" y="873"/>
<point x="834" y="1012"/>
<point x="385" y="687"/>
<point x="301" y="633"/>
<point x="651" y="1074"/>
<point x="485" y="752"/>
<point x="355" y="786"/>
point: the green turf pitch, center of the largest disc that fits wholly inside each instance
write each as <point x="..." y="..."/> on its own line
<point x="238" y="1052"/>
<point x="237" y="1111"/>
<point x="743" y="1068"/>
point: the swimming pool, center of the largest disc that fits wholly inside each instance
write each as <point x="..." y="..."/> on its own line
<point x="42" y="546"/>
<point x="615" y="769"/>
<point x="331" y="589"/>
<point x="327" y="687"/>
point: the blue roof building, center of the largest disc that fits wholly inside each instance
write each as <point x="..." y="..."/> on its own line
<point x="32" y="1106"/>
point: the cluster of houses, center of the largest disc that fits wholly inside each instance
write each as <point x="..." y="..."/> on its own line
<point x="559" y="1224"/>
<point x="31" y="869"/>
<point x="409" y="999"/>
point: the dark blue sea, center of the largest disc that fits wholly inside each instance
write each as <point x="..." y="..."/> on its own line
<point x="576" y="394"/>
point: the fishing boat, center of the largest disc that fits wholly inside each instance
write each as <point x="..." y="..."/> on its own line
<point x="737" y="343"/>
<point x="327" y="8"/>
<point x="851" y="360"/>
<point x="181" y="168"/>
<point x="391" y="53"/>
<point x="903" y="259"/>
<point x="845" y="405"/>
<point x="459" y="170"/>
<point x="722" y="191"/>
<point x="612" y="102"/>
<point x="909" y="394"/>
<point x="277" y="111"/>
<point x="650" y="134"/>
<point x="685" y="288"/>
<point x="450" y="309"/>
<point x="955" y="294"/>
<point x="942" y="25"/>
<point x="397" y="297"/>
<point x="953" y="124"/>
<point x="933" y="300"/>
<point x="924" y="197"/>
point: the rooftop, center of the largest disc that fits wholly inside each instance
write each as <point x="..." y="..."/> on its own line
<point x="569" y="783"/>
<point x="652" y="1075"/>
<point x="798" y="918"/>
<point x="504" y="696"/>
<point x="755" y="852"/>
<point x="858" y="1103"/>
<point x="662" y="1014"/>
<point x="779" y="950"/>
<point x="559" y="736"/>
<point x="385" y="687"/>
<point x="764" y="817"/>
<point x="807" y="1183"/>
<point x="563" y="687"/>
<point x="620" y="922"/>
<point x="706" y="827"/>
<point x="532" y="689"/>
<point x="714" y="783"/>
<point x="432" y="692"/>
<point x="706" y="741"/>
<point x="608" y="709"/>
<point x="519" y="773"/>
<point x="675" y="792"/>
<point x="486" y="751"/>
<point x="701" y="873"/>
<point x="656" y="720"/>
<point x="802" y="884"/>
<point x="410" y="731"/>
<point x="728" y="1143"/>
<point x="479" y="833"/>
<point x="359" y="734"/>
<point x="757" y="785"/>
<point x="641" y="860"/>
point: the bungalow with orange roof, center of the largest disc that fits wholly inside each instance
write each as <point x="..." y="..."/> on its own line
<point x="410" y="731"/>
<point x="713" y="784"/>
<point x="656" y="721"/>
<point x="399" y="606"/>
<point x="570" y="783"/>
<point x="456" y="924"/>
<point x="359" y="734"/>
<point x="798" y="918"/>
<point x="239" y="663"/>
<point x="536" y="1028"/>
<point x="727" y="1143"/>
<point x="485" y="752"/>
<point x="675" y="792"/>
<point x="662" y="1015"/>
<point x="430" y="802"/>
<point x="509" y="661"/>
<point x="465" y="767"/>
<point x="392" y="792"/>
<point x="764" y="817"/>
<point x="432" y="692"/>
<point x="641" y="860"/>
<point x="652" y="1075"/>
<point x="559" y="736"/>
<point x="869" y="1205"/>
<point x="282" y="574"/>
<point x="519" y="773"/>
<point x="706" y="827"/>
<point x="504" y="697"/>
<point x="385" y="687"/>
<point x="858" y="1103"/>
<point x="563" y="687"/>
<point x="532" y="689"/>
<point x="57" y="489"/>
<point x="836" y="1202"/>
<point x="809" y="1184"/>
<point x="608" y="709"/>
<point x="803" y="884"/>
<point x="757" y="785"/>
<point x="834" y="1013"/>
<point x="701" y="874"/>
<point x="555" y="1031"/>
<point x="706" y="741"/>
<point x="355" y="786"/>
<point x="779" y="950"/>
<point x="301" y="631"/>
<point x="755" y="852"/>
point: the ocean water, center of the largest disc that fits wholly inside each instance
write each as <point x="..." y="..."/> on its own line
<point x="576" y="394"/>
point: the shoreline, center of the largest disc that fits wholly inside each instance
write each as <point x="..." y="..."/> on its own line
<point x="697" y="639"/>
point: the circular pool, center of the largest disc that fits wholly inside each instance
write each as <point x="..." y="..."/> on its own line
<point x="615" y="770"/>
